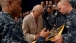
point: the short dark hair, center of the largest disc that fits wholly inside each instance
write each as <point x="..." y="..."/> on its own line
<point x="49" y="7"/>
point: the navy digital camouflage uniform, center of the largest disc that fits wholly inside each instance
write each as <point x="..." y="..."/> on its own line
<point x="60" y="19"/>
<point x="41" y="40"/>
<point x="20" y="20"/>
<point x="49" y="20"/>
<point x="9" y="30"/>
<point x="70" y="25"/>
<point x="73" y="3"/>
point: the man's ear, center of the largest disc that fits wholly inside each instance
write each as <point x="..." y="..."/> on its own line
<point x="9" y="2"/>
<point x="33" y="11"/>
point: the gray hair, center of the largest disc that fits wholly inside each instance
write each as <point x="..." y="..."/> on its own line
<point x="37" y="8"/>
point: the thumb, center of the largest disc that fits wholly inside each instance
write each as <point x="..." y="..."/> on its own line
<point x="44" y="29"/>
<point x="54" y="39"/>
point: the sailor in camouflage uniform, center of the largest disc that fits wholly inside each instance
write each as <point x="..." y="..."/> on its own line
<point x="9" y="28"/>
<point x="49" y="19"/>
<point x="70" y="24"/>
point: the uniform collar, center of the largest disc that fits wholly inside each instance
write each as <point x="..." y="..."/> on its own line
<point x="72" y="11"/>
<point x="7" y="14"/>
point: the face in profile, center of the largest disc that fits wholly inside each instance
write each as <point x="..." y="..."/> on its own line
<point x="39" y="13"/>
<point x="16" y="7"/>
<point x="47" y="2"/>
<point x="62" y="9"/>
<point x="50" y="2"/>
<point x="42" y="3"/>
<point x="16" y="19"/>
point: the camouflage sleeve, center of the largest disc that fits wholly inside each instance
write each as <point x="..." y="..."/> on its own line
<point x="9" y="32"/>
<point x="41" y="40"/>
<point x="70" y="36"/>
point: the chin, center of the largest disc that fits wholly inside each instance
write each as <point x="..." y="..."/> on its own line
<point x="63" y="13"/>
<point x="17" y="15"/>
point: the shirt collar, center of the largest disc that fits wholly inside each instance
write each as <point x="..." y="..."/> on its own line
<point x="72" y="11"/>
<point x="32" y="15"/>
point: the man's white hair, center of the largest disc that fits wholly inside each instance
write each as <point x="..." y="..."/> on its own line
<point x="37" y="8"/>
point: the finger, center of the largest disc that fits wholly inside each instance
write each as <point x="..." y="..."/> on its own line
<point x="44" y="29"/>
<point x="54" y="39"/>
<point x="48" y="31"/>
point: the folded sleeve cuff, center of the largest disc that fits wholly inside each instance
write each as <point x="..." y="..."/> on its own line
<point x="41" y="40"/>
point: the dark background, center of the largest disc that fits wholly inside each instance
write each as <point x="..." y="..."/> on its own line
<point x="27" y="5"/>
